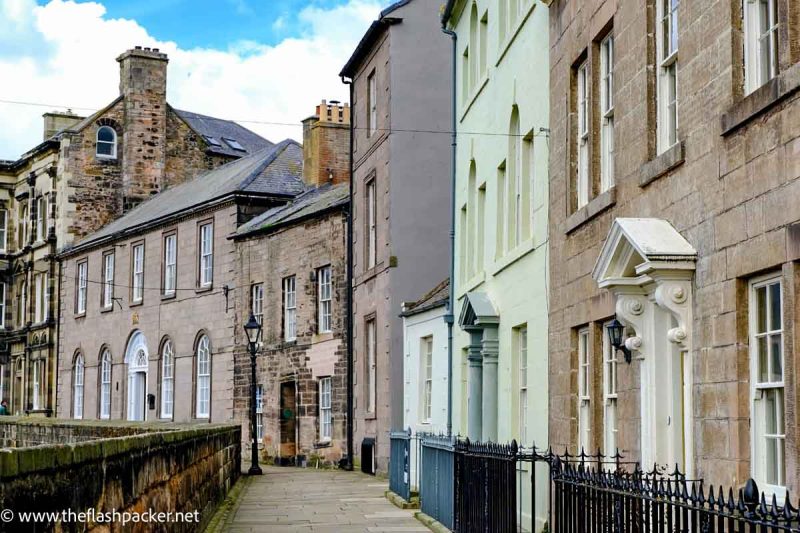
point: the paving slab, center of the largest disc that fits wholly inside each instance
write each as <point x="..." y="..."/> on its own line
<point x="293" y="500"/>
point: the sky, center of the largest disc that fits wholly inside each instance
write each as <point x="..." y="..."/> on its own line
<point x="247" y="60"/>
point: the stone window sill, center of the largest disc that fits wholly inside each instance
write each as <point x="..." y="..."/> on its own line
<point x="168" y="297"/>
<point x="204" y="288"/>
<point x="589" y="211"/>
<point x="474" y="96"/>
<point x="107" y="309"/>
<point x="136" y="303"/>
<point x="761" y="100"/>
<point x="513" y="255"/>
<point x="513" y="34"/>
<point x="473" y="282"/>
<point x="662" y="164"/>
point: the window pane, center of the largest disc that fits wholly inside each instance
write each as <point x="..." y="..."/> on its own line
<point x="772" y="461"/>
<point x="775" y="306"/>
<point x="775" y="350"/>
<point x="761" y="346"/>
<point x="761" y="309"/>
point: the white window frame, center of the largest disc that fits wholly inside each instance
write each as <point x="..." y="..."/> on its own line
<point x="36" y="381"/>
<point x="3" y="230"/>
<point x="583" y="181"/>
<point x="257" y="301"/>
<point x="2" y="305"/>
<point x="105" y="385"/>
<point x="760" y="43"/>
<point x="607" y="113"/>
<point x="325" y="297"/>
<point x="41" y="219"/>
<point x="112" y="143"/>
<point x="206" y="254"/>
<point x="203" y="400"/>
<point x="371" y="342"/>
<point x="522" y="399"/>
<point x="610" y="369"/>
<point x="426" y="360"/>
<point x="372" y="217"/>
<point x="137" y="285"/>
<point x="82" y="282"/>
<point x="260" y="412"/>
<point x="108" y="280"/>
<point x="167" y="380"/>
<point x="372" y="104"/>
<point x="584" y="392"/>
<point x="170" y="264"/>
<point x="77" y="388"/>
<point x="290" y="308"/>
<point x="667" y="68"/>
<point x="325" y="409"/>
<point x="41" y="298"/>
<point x="761" y="389"/>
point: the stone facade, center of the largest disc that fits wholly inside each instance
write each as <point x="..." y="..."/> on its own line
<point x="292" y="430"/>
<point x="397" y="158"/>
<point x="727" y="189"/>
<point x="123" y="469"/>
<point x="81" y="191"/>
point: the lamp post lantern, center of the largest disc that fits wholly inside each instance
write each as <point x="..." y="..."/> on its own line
<point x="253" y="331"/>
<point x="615" y="332"/>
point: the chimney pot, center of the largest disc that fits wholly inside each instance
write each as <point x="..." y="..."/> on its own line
<point x="138" y="47"/>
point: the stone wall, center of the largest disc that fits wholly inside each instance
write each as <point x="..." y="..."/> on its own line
<point x="163" y="468"/>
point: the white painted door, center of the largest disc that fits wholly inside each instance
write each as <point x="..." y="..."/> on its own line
<point x="136" y="395"/>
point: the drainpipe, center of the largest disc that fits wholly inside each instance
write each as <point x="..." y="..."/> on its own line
<point x="349" y="303"/>
<point x="449" y="318"/>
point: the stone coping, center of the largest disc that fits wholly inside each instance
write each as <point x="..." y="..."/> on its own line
<point x="44" y="457"/>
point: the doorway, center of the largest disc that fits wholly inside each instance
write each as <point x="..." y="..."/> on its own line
<point x="288" y="422"/>
<point x="136" y="357"/>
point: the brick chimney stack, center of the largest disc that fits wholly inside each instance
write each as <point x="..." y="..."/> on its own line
<point x="326" y="145"/>
<point x="56" y="121"/>
<point x="143" y="87"/>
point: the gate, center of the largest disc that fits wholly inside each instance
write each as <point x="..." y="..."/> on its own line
<point x="400" y="463"/>
<point x="437" y="488"/>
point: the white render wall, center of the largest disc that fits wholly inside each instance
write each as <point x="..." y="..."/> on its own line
<point x="416" y="328"/>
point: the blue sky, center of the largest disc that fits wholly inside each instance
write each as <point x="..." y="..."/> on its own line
<point x="258" y="61"/>
<point x="217" y="23"/>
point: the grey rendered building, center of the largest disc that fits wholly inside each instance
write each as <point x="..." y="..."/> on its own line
<point x="400" y="100"/>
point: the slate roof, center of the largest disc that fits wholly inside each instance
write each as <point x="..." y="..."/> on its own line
<point x="220" y="130"/>
<point x="436" y="297"/>
<point x="273" y="171"/>
<point x="309" y="203"/>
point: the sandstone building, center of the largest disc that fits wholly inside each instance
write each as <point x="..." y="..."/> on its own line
<point x="291" y="274"/>
<point x="400" y="90"/>
<point x="674" y="190"/>
<point x="87" y="172"/>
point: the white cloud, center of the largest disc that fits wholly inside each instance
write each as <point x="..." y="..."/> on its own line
<point x="64" y="53"/>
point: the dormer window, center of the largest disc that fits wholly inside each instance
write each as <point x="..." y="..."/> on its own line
<point x="211" y="140"/>
<point x="107" y="142"/>
<point x="233" y="143"/>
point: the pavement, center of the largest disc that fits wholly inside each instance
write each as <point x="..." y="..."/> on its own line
<point x="289" y="499"/>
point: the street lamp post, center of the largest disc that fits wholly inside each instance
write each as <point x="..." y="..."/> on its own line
<point x="253" y="331"/>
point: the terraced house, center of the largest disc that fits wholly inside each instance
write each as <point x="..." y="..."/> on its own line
<point x="674" y="196"/>
<point x="500" y="350"/>
<point x="87" y="172"/>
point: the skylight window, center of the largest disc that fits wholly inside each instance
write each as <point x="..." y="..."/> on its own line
<point x="233" y="143"/>
<point x="211" y="140"/>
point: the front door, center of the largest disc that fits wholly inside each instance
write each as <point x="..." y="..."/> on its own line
<point x="137" y="385"/>
<point x="288" y="422"/>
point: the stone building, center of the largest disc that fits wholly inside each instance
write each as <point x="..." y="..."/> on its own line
<point x="674" y="152"/>
<point x="148" y="303"/>
<point x="500" y="349"/>
<point x="291" y="274"/>
<point x="87" y="172"/>
<point x="400" y="89"/>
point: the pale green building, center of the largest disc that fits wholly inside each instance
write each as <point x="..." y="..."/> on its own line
<point x="500" y="366"/>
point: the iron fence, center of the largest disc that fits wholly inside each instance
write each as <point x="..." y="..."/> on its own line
<point x="436" y="477"/>
<point x="400" y="463"/>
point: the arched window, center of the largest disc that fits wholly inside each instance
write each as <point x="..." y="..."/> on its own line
<point x="77" y="388"/>
<point x="473" y="47"/>
<point x="106" y="142"/>
<point x="105" y="385"/>
<point x="203" y="407"/>
<point x="167" y="378"/>
<point x="516" y="186"/>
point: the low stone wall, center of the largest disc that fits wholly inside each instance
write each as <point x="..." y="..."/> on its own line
<point x="122" y="467"/>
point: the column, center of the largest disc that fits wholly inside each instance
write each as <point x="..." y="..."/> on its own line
<point x="475" y="385"/>
<point x="490" y="351"/>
